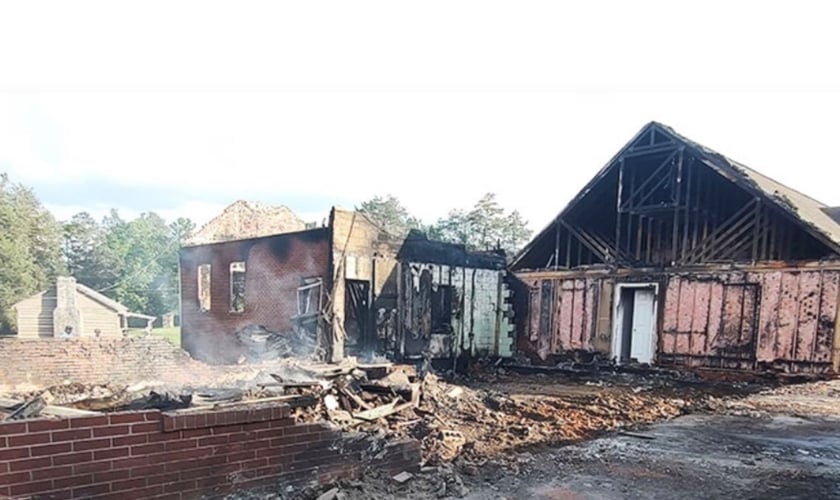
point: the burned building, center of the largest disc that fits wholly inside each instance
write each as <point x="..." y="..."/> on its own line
<point x="676" y="255"/>
<point x="349" y="288"/>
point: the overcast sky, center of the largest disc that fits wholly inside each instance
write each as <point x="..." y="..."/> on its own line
<point x="184" y="107"/>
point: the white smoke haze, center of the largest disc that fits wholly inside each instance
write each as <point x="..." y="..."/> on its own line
<point x="257" y="335"/>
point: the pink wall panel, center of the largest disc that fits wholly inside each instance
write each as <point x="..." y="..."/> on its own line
<point x="534" y="312"/>
<point x="577" y="314"/>
<point x="590" y="296"/>
<point x="768" y="315"/>
<point x="564" y="317"/>
<point x="685" y="309"/>
<point x="730" y="318"/>
<point x="698" y="345"/>
<point x="672" y="304"/>
<point x="827" y="317"/>
<point x="669" y="343"/>
<point x="700" y="314"/>
<point x="731" y="321"/>
<point x="786" y="325"/>
<point x="715" y="310"/>
<point x="683" y="343"/>
<point x="807" y="316"/>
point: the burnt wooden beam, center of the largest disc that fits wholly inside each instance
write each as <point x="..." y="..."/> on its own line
<point x="771" y="237"/>
<point x="698" y="212"/>
<point x="744" y="226"/>
<point x="618" y="202"/>
<point x="687" y="212"/>
<point x="655" y="177"/>
<point x="640" y="224"/>
<point x="568" y="250"/>
<point x="582" y="239"/>
<point x="765" y="225"/>
<point x="757" y="227"/>
<point x="675" y="229"/>
<point x="659" y="148"/>
<point x="722" y="230"/>
<point x="732" y="223"/>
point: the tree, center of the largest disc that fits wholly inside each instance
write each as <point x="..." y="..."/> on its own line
<point x="486" y="226"/>
<point x="179" y="231"/>
<point x="454" y="228"/>
<point x="515" y="232"/>
<point x="390" y="214"/>
<point x="30" y="247"/>
<point x="86" y="253"/>
<point x="141" y="247"/>
<point x="134" y="262"/>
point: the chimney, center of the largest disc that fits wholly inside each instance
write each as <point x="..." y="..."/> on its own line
<point x="67" y="318"/>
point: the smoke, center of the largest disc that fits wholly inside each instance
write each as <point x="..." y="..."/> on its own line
<point x="270" y="327"/>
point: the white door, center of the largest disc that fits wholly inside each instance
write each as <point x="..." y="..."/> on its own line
<point x="641" y="341"/>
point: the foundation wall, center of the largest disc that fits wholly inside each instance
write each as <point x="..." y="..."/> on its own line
<point x="52" y="361"/>
<point x="182" y="456"/>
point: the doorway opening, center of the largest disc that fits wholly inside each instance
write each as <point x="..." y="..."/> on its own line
<point x="357" y="316"/>
<point x="634" y="323"/>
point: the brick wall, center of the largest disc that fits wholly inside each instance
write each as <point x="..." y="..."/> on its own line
<point x="183" y="455"/>
<point x="274" y="268"/>
<point x="46" y="362"/>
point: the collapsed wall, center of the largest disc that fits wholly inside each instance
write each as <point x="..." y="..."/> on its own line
<point x="184" y="454"/>
<point x="53" y="361"/>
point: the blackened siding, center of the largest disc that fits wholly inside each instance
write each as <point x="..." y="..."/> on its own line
<point x="275" y="266"/>
<point x="785" y="320"/>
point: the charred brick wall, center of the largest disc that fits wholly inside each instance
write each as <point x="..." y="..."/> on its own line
<point x="51" y="361"/>
<point x="274" y="269"/>
<point x="182" y="456"/>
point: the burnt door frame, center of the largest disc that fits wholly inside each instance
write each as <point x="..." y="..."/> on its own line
<point x="622" y="335"/>
<point x="361" y="309"/>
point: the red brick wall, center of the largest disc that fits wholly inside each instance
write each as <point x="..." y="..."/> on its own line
<point x="275" y="266"/>
<point x="50" y="361"/>
<point x="179" y="456"/>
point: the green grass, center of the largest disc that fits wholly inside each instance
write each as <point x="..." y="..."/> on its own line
<point x="173" y="335"/>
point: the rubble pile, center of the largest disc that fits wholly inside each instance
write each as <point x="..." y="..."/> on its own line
<point x="261" y="344"/>
<point x="470" y="421"/>
<point x="458" y="421"/>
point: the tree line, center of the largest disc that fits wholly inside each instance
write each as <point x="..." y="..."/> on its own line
<point x="484" y="226"/>
<point x="135" y="262"/>
<point x="132" y="261"/>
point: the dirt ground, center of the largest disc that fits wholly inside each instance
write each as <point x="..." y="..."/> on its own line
<point x="695" y="456"/>
<point x="622" y="436"/>
<point x="777" y="443"/>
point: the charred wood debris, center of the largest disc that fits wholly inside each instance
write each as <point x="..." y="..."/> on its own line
<point x="493" y="411"/>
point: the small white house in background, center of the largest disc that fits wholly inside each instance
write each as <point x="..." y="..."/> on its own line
<point x="70" y="309"/>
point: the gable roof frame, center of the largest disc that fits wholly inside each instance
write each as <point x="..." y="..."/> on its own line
<point x="818" y="222"/>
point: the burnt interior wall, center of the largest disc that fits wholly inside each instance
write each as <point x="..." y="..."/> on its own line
<point x="563" y="315"/>
<point x="769" y="319"/>
<point x="424" y="295"/>
<point x="364" y="253"/>
<point x="755" y="318"/>
<point x="275" y="267"/>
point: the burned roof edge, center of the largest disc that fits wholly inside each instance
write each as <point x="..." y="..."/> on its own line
<point x="731" y="169"/>
<point x="417" y="247"/>
<point x="304" y="232"/>
<point x="582" y="193"/>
